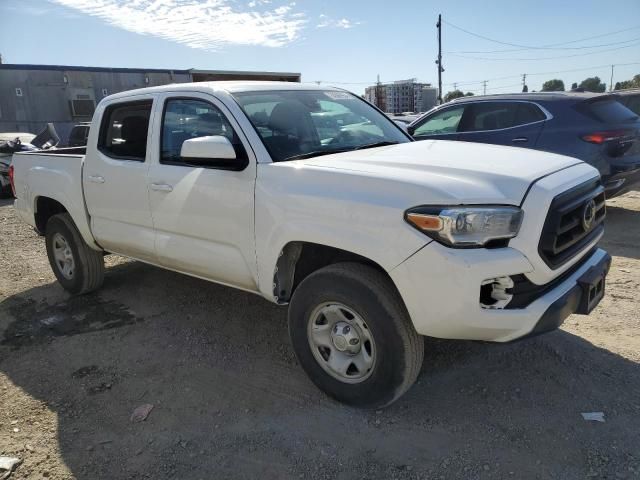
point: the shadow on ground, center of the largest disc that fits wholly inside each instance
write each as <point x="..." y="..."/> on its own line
<point x="230" y="400"/>
<point x="622" y="236"/>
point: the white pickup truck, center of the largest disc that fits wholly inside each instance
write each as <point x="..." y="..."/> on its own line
<point x="312" y="197"/>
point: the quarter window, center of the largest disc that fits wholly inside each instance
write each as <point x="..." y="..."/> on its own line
<point x="124" y="129"/>
<point x="445" y="121"/>
<point x="185" y="119"/>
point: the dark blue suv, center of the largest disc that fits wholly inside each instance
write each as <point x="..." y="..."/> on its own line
<point x="595" y="128"/>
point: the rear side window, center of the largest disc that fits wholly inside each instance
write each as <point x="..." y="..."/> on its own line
<point x="123" y="133"/>
<point x="607" y="111"/>
<point x="484" y="116"/>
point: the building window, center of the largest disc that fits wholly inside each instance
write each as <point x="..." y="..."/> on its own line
<point x="18" y="92"/>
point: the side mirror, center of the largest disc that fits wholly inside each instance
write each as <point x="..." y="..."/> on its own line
<point x="402" y="125"/>
<point x="411" y="130"/>
<point x="203" y="150"/>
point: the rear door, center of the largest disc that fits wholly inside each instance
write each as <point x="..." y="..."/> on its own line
<point x="203" y="213"/>
<point x="516" y="123"/>
<point x="115" y="179"/>
<point x="439" y="125"/>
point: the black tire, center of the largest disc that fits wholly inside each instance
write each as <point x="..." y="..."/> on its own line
<point x="88" y="273"/>
<point x="399" y="348"/>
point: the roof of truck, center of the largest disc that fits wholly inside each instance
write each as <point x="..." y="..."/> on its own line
<point x="230" y="86"/>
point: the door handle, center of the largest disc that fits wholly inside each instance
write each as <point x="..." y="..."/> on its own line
<point x="96" y="178"/>
<point x="161" y="187"/>
<point x="520" y="139"/>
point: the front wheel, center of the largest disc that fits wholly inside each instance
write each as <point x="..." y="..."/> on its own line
<point x="353" y="336"/>
<point x="78" y="267"/>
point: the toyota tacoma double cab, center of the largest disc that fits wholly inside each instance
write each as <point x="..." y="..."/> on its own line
<point x="311" y="197"/>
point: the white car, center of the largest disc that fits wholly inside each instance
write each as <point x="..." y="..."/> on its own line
<point x="310" y="197"/>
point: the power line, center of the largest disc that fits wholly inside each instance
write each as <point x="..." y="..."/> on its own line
<point x="543" y="58"/>
<point x="584" y="47"/>
<point x="478" y="82"/>
<point x="532" y="47"/>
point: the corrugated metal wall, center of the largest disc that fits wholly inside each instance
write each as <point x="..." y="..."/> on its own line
<point x="46" y="95"/>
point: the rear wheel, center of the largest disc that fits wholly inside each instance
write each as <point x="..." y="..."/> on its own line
<point x="353" y="336"/>
<point x="78" y="267"/>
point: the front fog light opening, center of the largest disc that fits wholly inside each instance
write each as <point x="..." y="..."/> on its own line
<point x="495" y="292"/>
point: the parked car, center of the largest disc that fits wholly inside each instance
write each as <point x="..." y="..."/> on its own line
<point x="79" y="134"/>
<point x="592" y="127"/>
<point x="630" y="99"/>
<point x="370" y="238"/>
<point x="12" y="142"/>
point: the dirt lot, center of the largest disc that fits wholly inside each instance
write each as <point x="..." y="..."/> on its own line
<point x="231" y="402"/>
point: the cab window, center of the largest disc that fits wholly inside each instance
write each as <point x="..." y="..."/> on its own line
<point x="186" y="118"/>
<point x="124" y="129"/>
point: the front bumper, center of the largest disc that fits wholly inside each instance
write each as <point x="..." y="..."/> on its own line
<point x="441" y="290"/>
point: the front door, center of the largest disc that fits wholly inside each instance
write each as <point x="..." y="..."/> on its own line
<point x="203" y="214"/>
<point x="115" y="180"/>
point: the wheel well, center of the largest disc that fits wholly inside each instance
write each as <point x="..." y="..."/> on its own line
<point x="45" y="209"/>
<point x="298" y="260"/>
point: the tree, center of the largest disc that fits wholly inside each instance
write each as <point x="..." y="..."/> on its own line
<point x="456" y="94"/>
<point x="633" y="83"/>
<point x="554" y="85"/>
<point x="452" y="95"/>
<point x="593" y="84"/>
<point x="574" y="85"/>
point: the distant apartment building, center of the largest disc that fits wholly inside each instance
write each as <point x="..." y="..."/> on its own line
<point x="33" y="95"/>
<point x="402" y="96"/>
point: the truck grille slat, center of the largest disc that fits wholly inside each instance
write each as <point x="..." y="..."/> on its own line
<point x="574" y="220"/>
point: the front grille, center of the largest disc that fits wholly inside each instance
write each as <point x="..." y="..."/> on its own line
<point x="575" y="219"/>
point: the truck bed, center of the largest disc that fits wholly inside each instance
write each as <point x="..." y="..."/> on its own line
<point x="49" y="176"/>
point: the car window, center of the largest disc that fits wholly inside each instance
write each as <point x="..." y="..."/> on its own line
<point x="528" y="113"/>
<point x="445" y="121"/>
<point x="632" y="102"/>
<point x="295" y="123"/>
<point x="124" y="129"/>
<point x="187" y="118"/>
<point x="607" y="111"/>
<point x="483" y="116"/>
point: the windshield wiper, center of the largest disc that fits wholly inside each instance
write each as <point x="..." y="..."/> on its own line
<point x="319" y="153"/>
<point x="316" y="153"/>
<point x="376" y="144"/>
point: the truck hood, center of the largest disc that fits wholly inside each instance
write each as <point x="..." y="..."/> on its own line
<point x="452" y="172"/>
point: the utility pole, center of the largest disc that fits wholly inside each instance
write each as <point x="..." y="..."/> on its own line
<point x="439" y="60"/>
<point x="524" y="83"/>
<point x="484" y="87"/>
<point x="379" y="95"/>
<point x="455" y="86"/>
<point x="611" y="82"/>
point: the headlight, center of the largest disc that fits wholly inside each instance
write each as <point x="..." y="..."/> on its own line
<point x="466" y="226"/>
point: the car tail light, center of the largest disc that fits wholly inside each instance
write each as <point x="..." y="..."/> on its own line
<point x="11" y="180"/>
<point x="603" y="137"/>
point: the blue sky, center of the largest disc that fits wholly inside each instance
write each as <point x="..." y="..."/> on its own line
<point x="346" y="42"/>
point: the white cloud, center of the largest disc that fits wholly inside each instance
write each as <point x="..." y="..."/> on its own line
<point x="324" y="21"/>
<point x="203" y="24"/>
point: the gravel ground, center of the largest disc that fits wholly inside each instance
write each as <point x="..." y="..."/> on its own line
<point x="230" y="400"/>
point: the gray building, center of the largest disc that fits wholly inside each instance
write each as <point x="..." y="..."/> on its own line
<point x="402" y="96"/>
<point x="33" y="95"/>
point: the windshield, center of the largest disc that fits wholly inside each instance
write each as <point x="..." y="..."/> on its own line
<point x="301" y="124"/>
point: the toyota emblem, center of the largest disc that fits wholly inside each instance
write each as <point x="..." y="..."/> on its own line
<point x="588" y="214"/>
